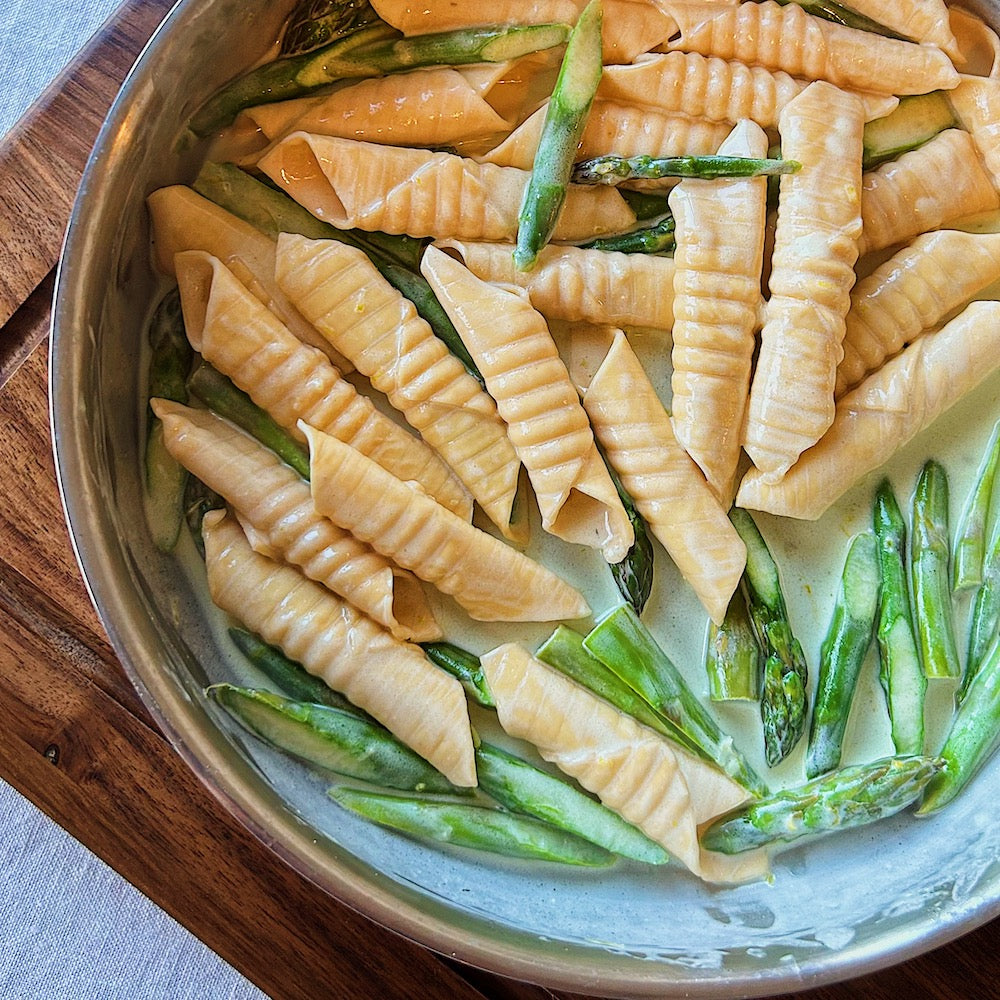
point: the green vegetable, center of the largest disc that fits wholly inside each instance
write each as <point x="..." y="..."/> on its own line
<point x="916" y="120"/>
<point x="374" y="50"/>
<point x="733" y="657"/>
<point x="220" y="395"/>
<point x="851" y="796"/>
<point x="623" y="644"/>
<point x="985" y="617"/>
<point x="929" y="580"/>
<point x="521" y="787"/>
<point x="633" y="575"/>
<point x="313" y="23"/>
<point x="199" y="499"/>
<point x="970" y="538"/>
<point x="838" y="13"/>
<point x="397" y="258"/>
<point x="169" y="363"/>
<point x="292" y="678"/>
<point x="479" y="827"/>
<point x="613" y="169"/>
<point x="783" y="695"/>
<point x="974" y="733"/>
<point x="465" y="666"/>
<point x="900" y="672"/>
<point x="656" y="238"/>
<point x="842" y="654"/>
<point x="565" y="120"/>
<point x="330" y="738"/>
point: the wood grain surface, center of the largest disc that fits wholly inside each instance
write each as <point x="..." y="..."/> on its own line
<point x="76" y="740"/>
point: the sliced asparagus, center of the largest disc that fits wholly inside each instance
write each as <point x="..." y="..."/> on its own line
<point x="314" y="23"/>
<point x="842" y="654"/>
<point x="565" y="119"/>
<point x="929" y="580"/>
<point x="199" y="499"/>
<point x="633" y="576"/>
<point x="984" y="621"/>
<point x="465" y="666"/>
<point x="783" y="694"/>
<point x="851" y="796"/>
<point x="613" y="169"/>
<point x="733" y="657"/>
<point x="973" y="526"/>
<point x="656" y="238"/>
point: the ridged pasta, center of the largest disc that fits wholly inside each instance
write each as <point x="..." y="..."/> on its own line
<point x="292" y="382"/>
<point x="666" y="486"/>
<point x="907" y="196"/>
<point x="491" y="580"/>
<point x="182" y="219"/>
<point x="912" y="292"/>
<point x="362" y="185"/>
<point x="976" y="103"/>
<point x="340" y="291"/>
<point x="883" y="413"/>
<point x="719" y="90"/>
<point x="663" y="790"/>
<point x="812" y="273"/>
<point x="534" y="395"/>
<point x="924" y="21"/>
<point x="391" y="680"/>
<point x="275" y="504"/>
<point x="787" y="38"/>
<point x="717" y="299"/>
<point x="574" y="284"/>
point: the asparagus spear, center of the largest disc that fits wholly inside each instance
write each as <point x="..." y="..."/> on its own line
<point x="521" y="787"/>
<point x="374" y="50"/>
<point x="848" y="797"/>
<point x="166" y="478"/>
<point x="624" y="645"/>
<point x="842" y="654"/>
<point x="900" y="672"/>
<point x="783" y="694"/>
<point x="330" y="738"/>
<point x="313" y="23"/>
<point x="929" y="580"/>
<point x="465" y="666"/>
<point x="479" y="827"/>
<point x="613" y="169"/>
<point x="199" y="499"/>
<point x="655" y="238"/>
<point x="733" y="657"/>
<point x="633" y="576"/>
<point x="970" y="538"/>
<point x="974" y="733"/>
<point x="985" y="618"/>
<point x="397" y="258"/>
<point x="565" y="119"/>
<point x="219" y="394"/>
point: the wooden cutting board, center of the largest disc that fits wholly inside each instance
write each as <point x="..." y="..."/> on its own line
<point x="76" y="740"/>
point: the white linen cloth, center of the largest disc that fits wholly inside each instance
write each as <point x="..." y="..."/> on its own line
<point x="71" y="928"/>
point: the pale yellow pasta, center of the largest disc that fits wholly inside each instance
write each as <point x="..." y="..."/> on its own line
<point x="534" y="395"/>
<point x="717" y="298"/>
<point x="572" y="283"/>
<point x="976" y="102"/>
<point x="616" y="127"/>
<point x="667" y="487"/>
<point x="978" y="47"/>
<point x="659" y="787"/>
<point x="935" y="184"/>
<point x="912" y="292"/>
<point x="182" y="219"/>
<point x="924" y="21"/>
<point x="719" y="90"/>
<point x="274" y="503"/>
<point x="391" y="680"/>
<point x="491" y="580"/>
<point x="340" y="291"/>
<point x="787" y="38"/>
<point x="244" y="340"/>
<point x="812" y="272"/>
<point x="362" y="185"/>
<point x="883" y="413"/>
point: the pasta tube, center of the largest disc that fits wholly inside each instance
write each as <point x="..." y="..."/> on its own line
<point x="659" y="787"/>
<point x="924" y="21"/>
<point x="907" y="196"/>
<point x="581" y="285"/>
<point x="812" y="272"/>
<point x="293" y="382"/>
<point x="666" y="486"/>
<point x="491" y="580"/>
<point x="338" y="288"/>
<point x="534" y="395"/>
<point x="391" y="680"/>
<point x="913" y="292"/>
<point x="976" y="103"/>
<point x="787" y="38"/>
<point x="362" y="185"/>
<point x="276" y="508"/>
<point x="719" y="259"/>
<point x="883" y="413"/>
